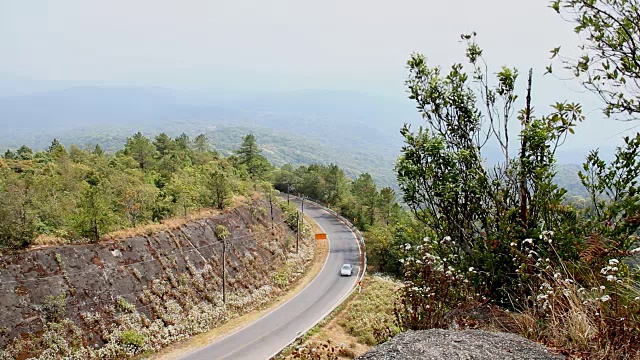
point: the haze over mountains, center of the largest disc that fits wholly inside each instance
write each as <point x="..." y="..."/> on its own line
<point x="357" y="131"/>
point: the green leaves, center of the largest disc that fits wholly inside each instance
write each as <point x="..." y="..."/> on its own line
<point x="453" y="193"/>
<point x="141" y="149"/>
<point x="613" y="190"/>
<point x="608" y="64"/>
<point x="249" y="157"/>
<point x="84" y="194"/>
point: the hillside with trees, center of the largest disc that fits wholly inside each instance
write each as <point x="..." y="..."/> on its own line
<point x="71" y="195"/>
<point x="79" y="195"/>
<point x="301" y="127"/>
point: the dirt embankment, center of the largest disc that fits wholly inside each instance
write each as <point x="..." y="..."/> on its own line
<point x="141" y="293"/>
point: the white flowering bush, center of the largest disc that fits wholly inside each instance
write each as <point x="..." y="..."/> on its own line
<point x="572" y="305"/>
<point x="320" y="350"/>
<point x="433" y="287"/>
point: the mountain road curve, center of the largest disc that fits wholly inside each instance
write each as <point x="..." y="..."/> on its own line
<point x="268" y="335"/>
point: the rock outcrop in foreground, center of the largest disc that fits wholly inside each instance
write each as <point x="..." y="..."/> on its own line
<point x="459" y="345"/>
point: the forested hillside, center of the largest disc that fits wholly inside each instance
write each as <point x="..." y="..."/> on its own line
<point x="300" y="127"/>
<point x="76" y="195"/>
<point x="71" y="195"/>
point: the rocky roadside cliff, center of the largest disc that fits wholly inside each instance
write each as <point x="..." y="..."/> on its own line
<point x="120" y="298"/>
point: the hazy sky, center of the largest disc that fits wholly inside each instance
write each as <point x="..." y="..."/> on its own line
<point x="276" y="44"/>
<point x="200" y="43"/>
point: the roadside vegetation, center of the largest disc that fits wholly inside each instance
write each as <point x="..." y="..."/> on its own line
<point x="500" y="244"/>
<point x="365" y="319"/>
<point x="502" y="247"/>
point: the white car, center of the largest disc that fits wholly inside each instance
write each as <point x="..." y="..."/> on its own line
<point x="345" y="270"/>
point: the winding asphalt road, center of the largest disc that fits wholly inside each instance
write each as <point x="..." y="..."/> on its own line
<point x="267" y="336"/>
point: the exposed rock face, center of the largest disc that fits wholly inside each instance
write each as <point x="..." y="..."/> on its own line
<point x="459" y="345"/>
<point x="158" y="276"/>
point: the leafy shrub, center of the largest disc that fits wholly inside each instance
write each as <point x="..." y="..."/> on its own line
<point x="55" y="307"/>
<point x="222" y="232"/>
<point x="132" y="337"/>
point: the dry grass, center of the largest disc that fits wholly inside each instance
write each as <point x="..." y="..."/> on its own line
<point x="180" y="349"/>
<point x="594" y="322"/>
<point x="146" y="229"/>
<point x="47" y="240"/>
<point x="141" y="230"/>
<point x="238" y="200"/>
<point x="352" y="325"/>
<point x="167" y="224"/>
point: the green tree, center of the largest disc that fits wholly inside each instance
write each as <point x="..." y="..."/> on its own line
<point x="336" y="184"/>
<point x="184" y="187"/>
<point x="385" y="245"/>
<point x="94" y="215"/>
<point x="56" y="149"/>
<point x="10" y="155"/>
<point x="17" y="220"/>
<point x="447" y="185"/>
<point x="285" y="179"/>
<point x="163" y="144"/>
<point x="249" y="156"/>
<point x="387" y="204"/>
<point x="364" y="188"/>
<point x="134" y="196"/>
<point x="77" y="155"/>
<point x="97" y="150"/>
<point x="141" y="149"/>
<point x="313" y="183"/>
<point x="220" y="188"/>
<point x="615" y="199"/>
<point x="182" y="142"/>
<point x="609" y="64"/>
<point x="24" y="153"/>
<point x="171" y="163"/>
<point x="201" y="143"/>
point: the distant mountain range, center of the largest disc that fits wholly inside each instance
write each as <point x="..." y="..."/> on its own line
<point x="358" y="132"/>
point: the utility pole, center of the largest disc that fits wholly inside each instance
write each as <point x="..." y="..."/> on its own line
<point x="297" y="230"/>
<point x="271" y="206"/>
<point x="224" y="270"/>
<point x="298" y="237"/>
<point x="287" y="194"/>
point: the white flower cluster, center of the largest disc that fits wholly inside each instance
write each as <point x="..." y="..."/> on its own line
<point x="546" y="291"/>
<point x="610" y="271"/>
<point x="547" y="236"/>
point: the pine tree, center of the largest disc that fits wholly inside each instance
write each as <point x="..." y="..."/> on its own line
<point x="141" y="149"/>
